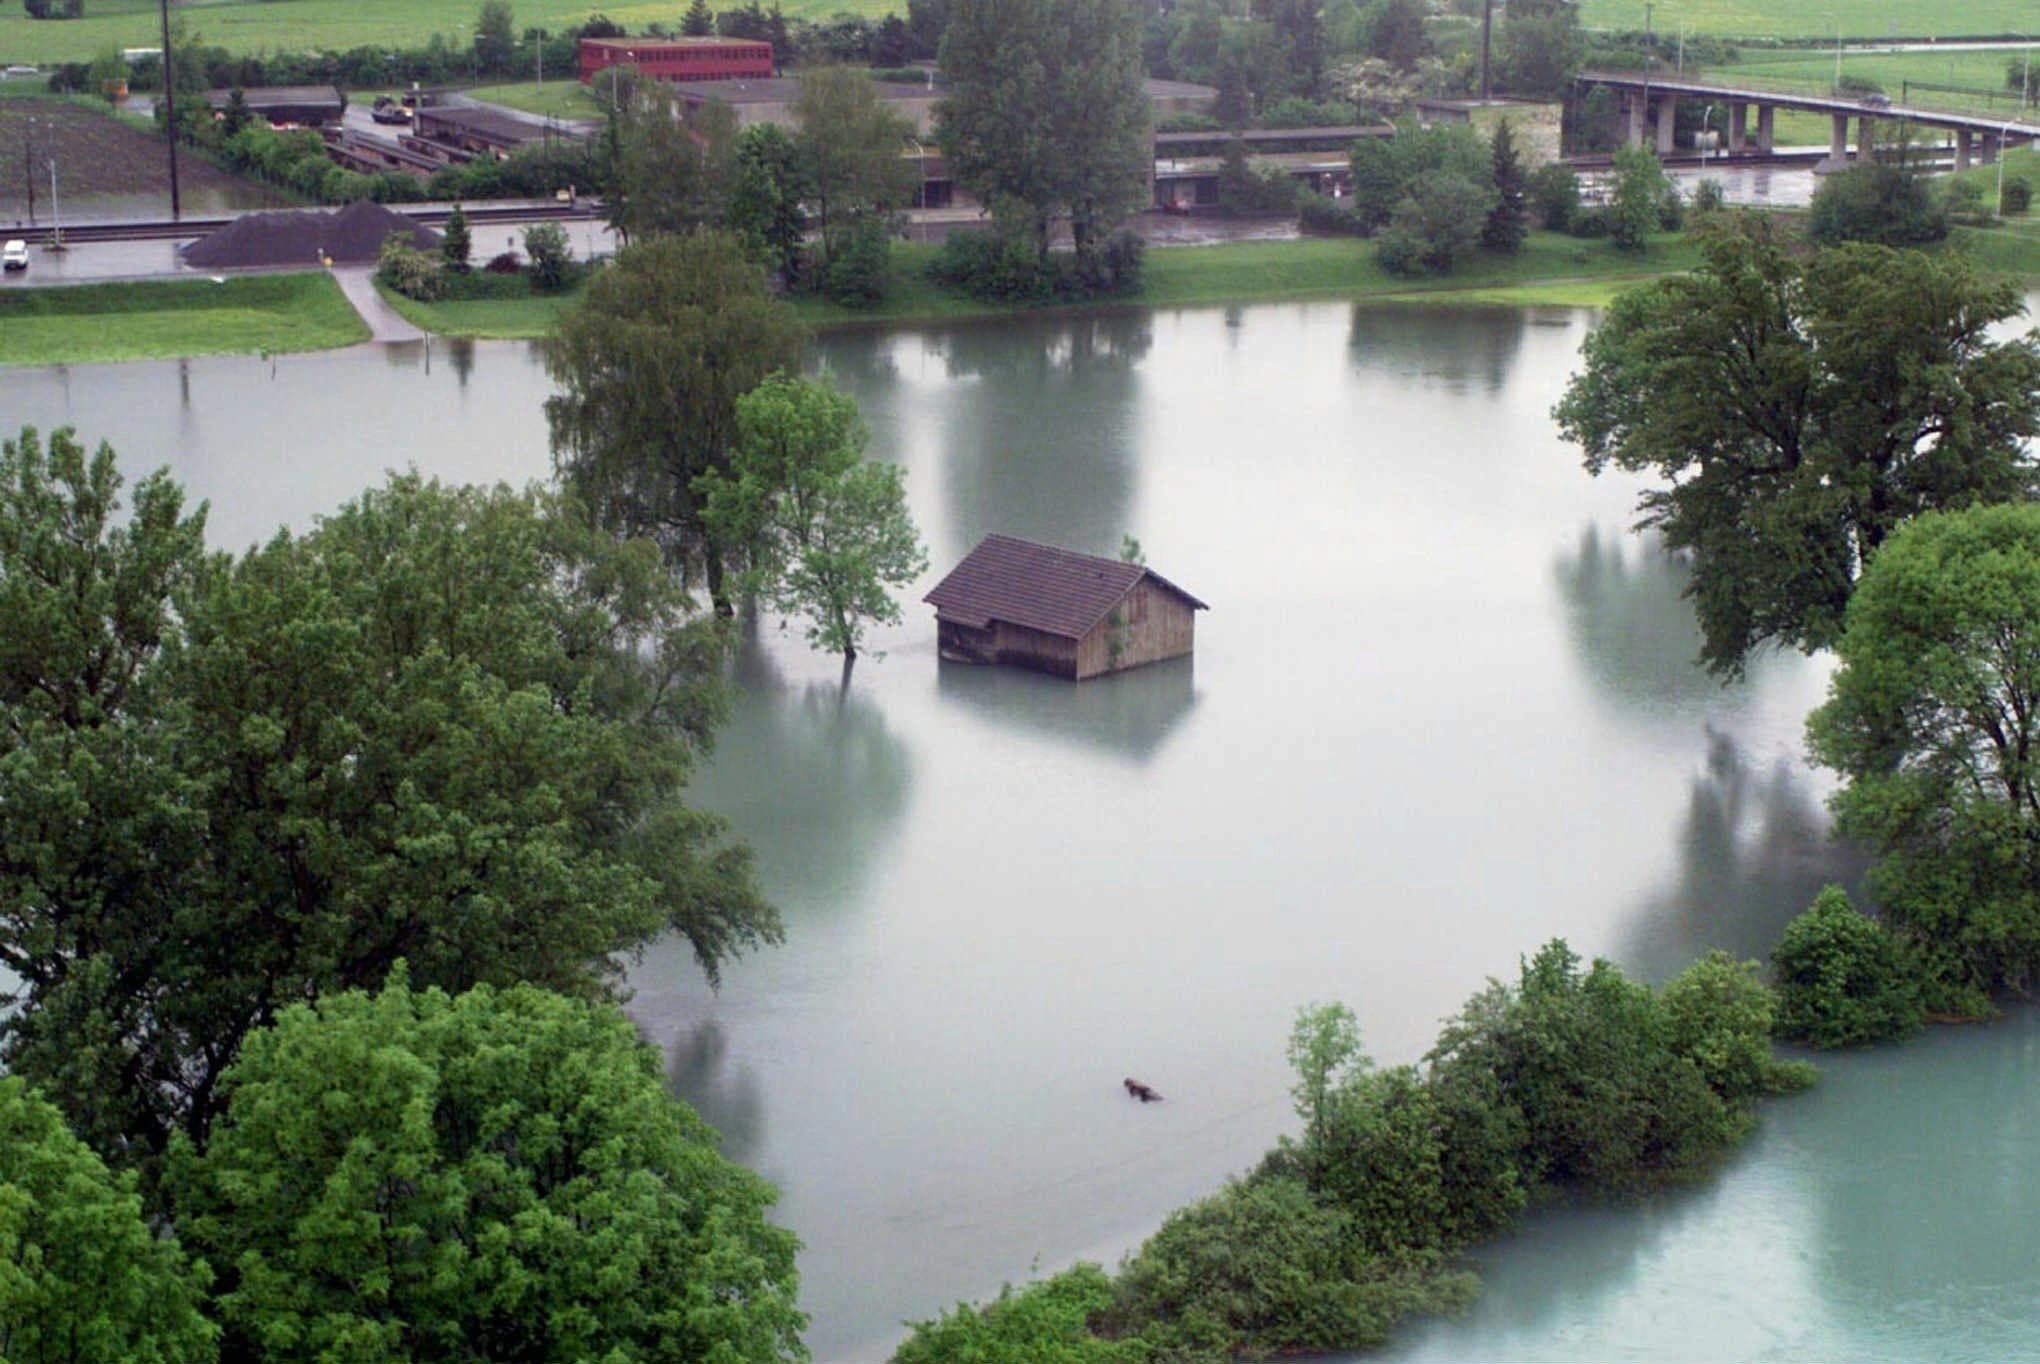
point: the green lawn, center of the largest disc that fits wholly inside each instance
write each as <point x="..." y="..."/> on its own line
<point x="302" y="25"/>
<point x="82" y="323"/>
<point x="1816" y="18"/>
<point x="566" y="98"/>
<point x="520" y="318"/>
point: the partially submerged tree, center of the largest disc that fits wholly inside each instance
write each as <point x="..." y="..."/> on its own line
<point x="1799" y="412"/>
<point x="650" y="363"/>
<point x="826" y="532"/>
<point x="1933" y="722"/>
<point x="501" y="1175"/>
<point x="448" y="725"/>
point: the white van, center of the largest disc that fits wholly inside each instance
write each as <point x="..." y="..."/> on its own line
<point x="14" y="255"/>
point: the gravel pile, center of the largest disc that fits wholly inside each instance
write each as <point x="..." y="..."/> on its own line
<point x="353" y="236"/>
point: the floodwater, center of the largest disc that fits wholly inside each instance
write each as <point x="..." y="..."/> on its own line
<point x="1442" y="710"/>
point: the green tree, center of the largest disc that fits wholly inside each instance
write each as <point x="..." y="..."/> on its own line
<point x="83" y="1277"/>
<point x="1324" y="1052"/>
<point x="499" y="1175"/>
<point x="237" y="114"/>
<point x="699" y="23"/>
<point x="1541" y="46"/>
<point x="1508" y="222"/>
<point x="1799" y="412"/>
<point x="650" y="363"/>
<point x="1046" y="114"/>
<point x="1933" y="722"/>
<point x="1844" y="978"/>
<point x="1437" y="225"/>
<point x="826" y="532"/>
<point x="452" y="725"/>
<point x="1554" y="188"/>
<point x="1389" y="170"/>
<point x="767" y="186"/>
<point x="1636" y="204"/>
<point x="1395" y="33"/>
<point x="669" y="171"/>
<point x="545" y="246"/>
<point x="495" y="37"/>
<point x="852" y="147"/>
<point x="456" y="243"/>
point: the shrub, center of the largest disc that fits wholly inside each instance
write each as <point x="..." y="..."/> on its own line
<point x="1591" y="222"/>
<point x="1878" y="202"/>
<point x="1327" y="216"/>
<point x="1115" y="267"/>
<point x="1043" y="1323"/>
<point x="1261" y="1268"/>
<point x="859" y="269"/>
<point x="504" y="263"/>
<point x="411" y="272"/>
<point x="1719" y="1016"/>
<point x="1671" y="214"/>
<point x="1708" y="198"/>
<point x="1585" y="1057"/>
<point x="1436" y="226"/>
<point x="1554" y="190"/>
<point x="1843" y="978"/>
<point x="1963" y="199"/>
<point x="1244" y="189"/>
<point x="993" y="266"/>
<point x="2018" y="195"/>
<point x="1637" y="206"/>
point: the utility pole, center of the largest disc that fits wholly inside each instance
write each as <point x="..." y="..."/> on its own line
<point x="28" y="164"/>
<point x="170" y="113"/>
<point x="1487" y="28"/>
<point x="538" y="53"/>
<point x="57" y="216"/>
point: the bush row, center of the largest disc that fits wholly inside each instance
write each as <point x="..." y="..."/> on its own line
<point x="1569" y="1081"/>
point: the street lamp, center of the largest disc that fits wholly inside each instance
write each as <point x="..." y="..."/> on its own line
<point x="2004" y="134"/>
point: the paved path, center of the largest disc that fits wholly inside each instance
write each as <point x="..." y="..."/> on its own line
<point x="384" y="322"/>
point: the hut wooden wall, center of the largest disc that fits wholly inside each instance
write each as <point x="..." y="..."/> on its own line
<point x="1001" y="642"/>
<point x="1151" y="624"/>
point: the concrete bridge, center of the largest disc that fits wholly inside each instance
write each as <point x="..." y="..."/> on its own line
<point x="1653" y="101"/>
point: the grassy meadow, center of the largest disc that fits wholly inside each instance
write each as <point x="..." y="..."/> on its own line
<point x="302" y="25"/>
<point x="1859" y="19"/>
<point x="78" y="324"/>
<point x="563" y="98"/>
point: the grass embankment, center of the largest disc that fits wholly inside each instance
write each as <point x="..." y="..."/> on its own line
<point x="1550" y="269"/>
<point x="504" y="309"/>
<point x="82" y="323"/>
<point x="1862" y="20"/>
<point x="317" y="25"/>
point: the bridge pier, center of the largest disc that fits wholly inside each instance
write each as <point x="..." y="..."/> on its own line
<point x="1838" y="144"/>
<point x="1962" y="149"/>
<point x="1667" y="122"/>
<point x="1767" y="122"/>
<point x="1632" y="119"/>
<point x="1866" y="139"/>
<point x="1993" y="143"/>
<point x="1738" y="127"/>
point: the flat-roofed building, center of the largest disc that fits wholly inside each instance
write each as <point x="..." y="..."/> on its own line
<point x="679" y="59"/>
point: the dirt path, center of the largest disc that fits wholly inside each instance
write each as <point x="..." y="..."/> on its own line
<point x="384" y="322"/>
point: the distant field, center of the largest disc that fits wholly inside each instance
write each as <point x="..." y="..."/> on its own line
<point x="1980" y="71"/>
<point x="301" y="25"/>
<point x="1816" y="18"/>
<point x="88" y="322"/>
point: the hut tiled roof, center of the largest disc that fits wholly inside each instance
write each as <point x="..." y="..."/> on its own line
<point x="1055" y="591"/>
<point x="353" y="236"/>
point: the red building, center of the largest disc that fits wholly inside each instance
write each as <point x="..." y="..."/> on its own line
<point x="679" y="59"/>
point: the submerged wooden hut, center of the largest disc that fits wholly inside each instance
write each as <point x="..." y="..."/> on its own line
<point x="1074" y="615"/>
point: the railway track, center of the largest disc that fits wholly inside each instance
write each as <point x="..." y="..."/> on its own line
<point x="480" y="215"/>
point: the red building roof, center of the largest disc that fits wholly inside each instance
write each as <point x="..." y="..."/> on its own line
<point x="1056" y="591"/>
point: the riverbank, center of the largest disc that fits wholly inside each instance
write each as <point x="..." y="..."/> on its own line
<point x="79" y="324"/>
